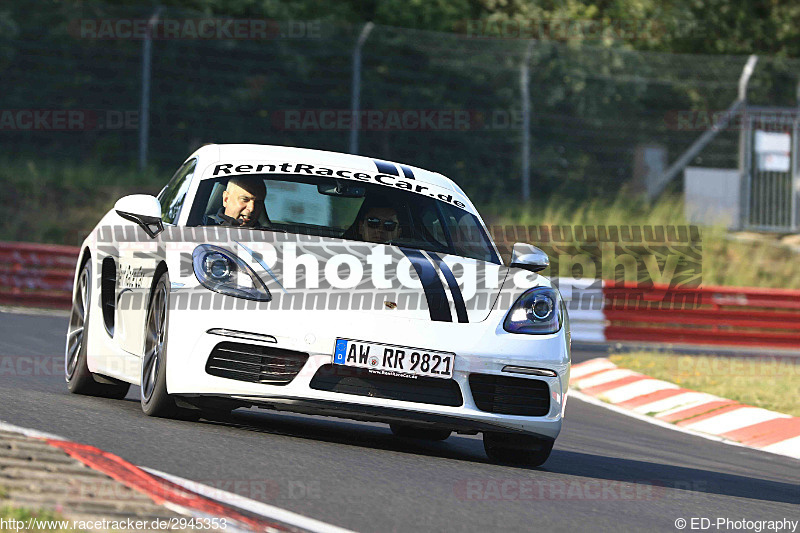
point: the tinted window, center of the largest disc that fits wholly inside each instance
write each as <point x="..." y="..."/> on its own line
<point x="376" y="214"/>
<point x="174" y="193"/>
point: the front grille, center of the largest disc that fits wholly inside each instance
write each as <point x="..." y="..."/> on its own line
<point x="510" y="396"/>
<point x="361" y="382"/>
<point x="255" y="364"/>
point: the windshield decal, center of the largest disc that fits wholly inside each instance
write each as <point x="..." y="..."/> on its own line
<point x="407" y="172"/>
<point x="438" y="306"/>
<point x="385" y="167"/>
<point x="458" y="298"/>
<point x="230" y="169"/>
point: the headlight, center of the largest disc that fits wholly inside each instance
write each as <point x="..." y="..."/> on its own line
<point x="537" y="312"/>
<point x="221" y="271"/>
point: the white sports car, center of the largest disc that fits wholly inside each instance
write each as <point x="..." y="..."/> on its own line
<point x="322" y="283"/>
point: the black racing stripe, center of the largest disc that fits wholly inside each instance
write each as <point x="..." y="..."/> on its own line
<point x="438" y="306"/>
<point x="407" y="172"/>
<point x="458" y="298"/>
<point x="386" y="168"/>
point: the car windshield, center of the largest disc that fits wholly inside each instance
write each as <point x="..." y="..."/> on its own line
<point x="330" y="207"/>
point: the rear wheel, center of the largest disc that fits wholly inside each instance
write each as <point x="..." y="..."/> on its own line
<point x="154" y="398"/>
<point x="76" y="369"/>
<point x="514" y="449"/>
<point x="417" y="432"/>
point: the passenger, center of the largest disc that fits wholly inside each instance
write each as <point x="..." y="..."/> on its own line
<point x="379" y="225"/>
<point x="242" y="203"/>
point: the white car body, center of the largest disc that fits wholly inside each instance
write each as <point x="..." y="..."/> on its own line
<point x="478" y="339"/>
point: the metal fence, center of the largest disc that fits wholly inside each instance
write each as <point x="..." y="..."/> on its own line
<point x="492" y="113"/>
<point x="771" y="178"/>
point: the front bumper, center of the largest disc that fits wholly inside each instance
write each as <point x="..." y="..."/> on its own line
<point x="482" y="347"/>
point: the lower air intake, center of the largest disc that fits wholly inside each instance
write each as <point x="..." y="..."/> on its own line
<point x="510" y="396"/>
<point x="362" y="382"/>
<point x="255" y="364"/>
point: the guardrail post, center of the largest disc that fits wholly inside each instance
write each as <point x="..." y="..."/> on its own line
<point x="709" y="135"/>
<point x="795" y="166"/>
<point x="525" y="95"/>
<point x="355" y="102"/>
<point x="745" y="139"/>
<point x="144" y="110"/>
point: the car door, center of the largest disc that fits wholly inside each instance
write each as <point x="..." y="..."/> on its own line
<point x="138" y="261"/>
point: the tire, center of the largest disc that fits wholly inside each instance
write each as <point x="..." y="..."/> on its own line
<point x="153" y="385"/>
<point x="514" y="449"/>
<point x="416" y="432"/>
<point x="76" y="370"/>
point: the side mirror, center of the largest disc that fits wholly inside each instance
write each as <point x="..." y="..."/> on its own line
<point x="529" y="257"/>
<point x="142" y="209"/>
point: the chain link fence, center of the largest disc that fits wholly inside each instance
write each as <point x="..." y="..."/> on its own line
<point x="487" y="112"/>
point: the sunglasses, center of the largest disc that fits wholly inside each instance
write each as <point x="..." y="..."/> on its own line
<point x="375" y="222"/>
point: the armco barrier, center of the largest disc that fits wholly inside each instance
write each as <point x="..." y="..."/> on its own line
<point x="708" y="315"/>
<point x="41" y="275"/>
<point x="662" y="314"/>
<point x="585" y="302"/>
<point x="37" y="275"/>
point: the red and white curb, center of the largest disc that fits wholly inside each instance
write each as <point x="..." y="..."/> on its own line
<point x="695" y="412"/>
<point x="182" y="495"/>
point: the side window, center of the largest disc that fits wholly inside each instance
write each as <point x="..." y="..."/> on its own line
<point x="469" y="239"/>
<point x="174" y="193"/>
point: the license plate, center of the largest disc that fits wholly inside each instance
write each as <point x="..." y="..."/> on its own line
<point x="393" y="360"/>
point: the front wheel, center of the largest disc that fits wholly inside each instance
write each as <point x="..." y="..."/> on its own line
<point x="76" y="370"/>
<point x="154" y="398"/>
<point x="514" y="449"/>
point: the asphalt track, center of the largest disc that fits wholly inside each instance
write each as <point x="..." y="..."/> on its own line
<point x="608" y="472"/>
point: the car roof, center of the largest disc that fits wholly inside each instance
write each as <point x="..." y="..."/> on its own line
<point x="264" y="152"/>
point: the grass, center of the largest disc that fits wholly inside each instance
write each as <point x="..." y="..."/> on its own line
<point x="61" y="203"/>
<point x="23" y="515"/>
<point x="3" y="493"/>
<point x="769" y="383"/>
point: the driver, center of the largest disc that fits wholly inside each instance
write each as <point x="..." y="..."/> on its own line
<point x="242" y="203"/>
<point x="379" y="225"/>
